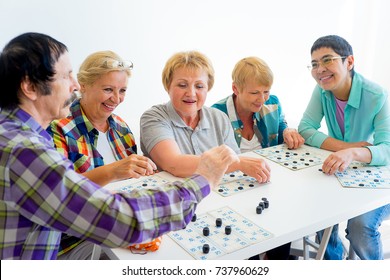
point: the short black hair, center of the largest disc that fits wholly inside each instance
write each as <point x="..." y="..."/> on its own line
<point x="336" y="43"/>
<point x="29" y="55"/>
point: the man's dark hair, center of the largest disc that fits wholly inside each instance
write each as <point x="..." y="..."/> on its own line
<point x="30" y="55"/>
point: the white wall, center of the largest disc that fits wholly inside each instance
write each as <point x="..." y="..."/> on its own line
<point x="148" y="32"/>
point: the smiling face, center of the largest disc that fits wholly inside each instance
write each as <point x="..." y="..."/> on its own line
<point x="336" y="76"/>
<point x="100" y="99"/>
<point x="188" y="92"/>
<point x="251" y="98"/>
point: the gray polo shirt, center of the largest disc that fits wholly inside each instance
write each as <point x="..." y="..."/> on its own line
<point x="162" y="122"/>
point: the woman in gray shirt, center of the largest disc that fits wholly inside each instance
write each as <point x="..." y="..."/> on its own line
<point x="175" y="134"/>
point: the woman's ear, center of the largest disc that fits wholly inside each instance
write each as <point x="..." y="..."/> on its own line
<point x="351" y="62"/>
<point x="82" y="88"/>
<point x="235" y="89"/>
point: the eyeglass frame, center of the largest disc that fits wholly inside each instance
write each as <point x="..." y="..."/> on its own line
<point x="126" y="64"/>
<point x="321" y="62"/>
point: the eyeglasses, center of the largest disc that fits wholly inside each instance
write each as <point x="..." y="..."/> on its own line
<point x="118" y="64"/>
<point x="325" y="62"/>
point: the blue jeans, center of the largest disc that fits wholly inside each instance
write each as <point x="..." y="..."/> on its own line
<point x="363" y="235"/>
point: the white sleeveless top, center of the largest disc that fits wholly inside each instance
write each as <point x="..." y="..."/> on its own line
<point x="249" y="145"/>
<point x="104" y="148"/>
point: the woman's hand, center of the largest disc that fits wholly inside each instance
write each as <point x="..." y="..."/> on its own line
<point x="292" y="138"/>
<point x="256" y="168"/>
<point x="133" y="166"/>
<point x="338" y="161"/>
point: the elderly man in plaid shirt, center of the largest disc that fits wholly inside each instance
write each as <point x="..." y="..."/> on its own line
<point x="40" y="193"/>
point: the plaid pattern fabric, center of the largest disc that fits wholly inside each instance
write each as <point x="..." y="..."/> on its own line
<point x="269" y="121"/>
<point x="41" y="196"/>
<point x="76" y="138"/>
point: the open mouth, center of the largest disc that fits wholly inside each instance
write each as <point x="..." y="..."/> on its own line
<point x="325" y="78"/>
<point x="110" y="107"/>
<point x="189" y="101"/>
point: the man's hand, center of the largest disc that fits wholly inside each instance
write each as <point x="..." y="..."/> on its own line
<point x="214" y="163"/>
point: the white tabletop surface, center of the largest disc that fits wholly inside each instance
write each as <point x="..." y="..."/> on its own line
<point x="301" y="203"/>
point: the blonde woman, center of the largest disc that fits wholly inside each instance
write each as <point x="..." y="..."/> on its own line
<point x="176" y="133"/>
<point x="257" y="117"/>
<point x="255" y="114"/>
<point x="98" y="142"/>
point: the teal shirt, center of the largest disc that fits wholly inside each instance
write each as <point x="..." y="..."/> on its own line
<point x="269" y="120"/>
<point x="366" y="118"/>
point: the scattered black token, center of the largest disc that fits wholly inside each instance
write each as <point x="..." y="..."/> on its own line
<point x="206" y="231"/>
<point x="266" y="204"/>
<point x="228" y="230"/>
<point x="240" y="188"/>
<point x="218" y="222"/>
<point x="206" y="248"/>
<point x="232" y="175"/>
<point x="262" y="205"/>
<point x="193" y="218"/>
<point x="259" y="209"/>
<point x="144" y="184"/>
<point x="251" y="185"/>
<point x="220" y="190"/>
<point x="264" y="199"/>
<point x="320" y="170"/>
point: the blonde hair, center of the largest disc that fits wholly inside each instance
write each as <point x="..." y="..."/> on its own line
<point x="252" y="68"/>
<point x="193" y="60"/>
<point x="98" y="64"/>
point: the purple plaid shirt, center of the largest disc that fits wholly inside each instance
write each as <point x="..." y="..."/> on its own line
<point x="41" y="196"/>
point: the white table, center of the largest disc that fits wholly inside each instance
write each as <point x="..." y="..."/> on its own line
<point x="301" y="203"/>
